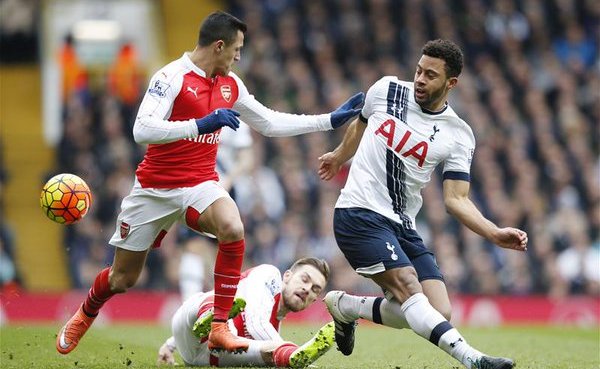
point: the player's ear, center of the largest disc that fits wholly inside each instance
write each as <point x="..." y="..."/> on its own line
<point x="287" y="275"/>
<point x="219" y="45"/>
<point x="452" y="82"/>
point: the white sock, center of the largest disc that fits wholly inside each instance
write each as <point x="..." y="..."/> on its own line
<point x="375" y="309"/>
<point x="252" y="357"/>
<point x="392" y="315"/>
<point x="430" y="324"/>
<point x="350" y="306"/>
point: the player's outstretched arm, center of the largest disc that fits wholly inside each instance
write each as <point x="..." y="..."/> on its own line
<point x="456" y="199"/>
<point x="349" y="109"/>
<point x="272" y="123"/>
<point x="149" y="130"/>
<point x="331" y="162"/>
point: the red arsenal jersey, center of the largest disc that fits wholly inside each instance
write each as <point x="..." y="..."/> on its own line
<point x="179" y="92"/>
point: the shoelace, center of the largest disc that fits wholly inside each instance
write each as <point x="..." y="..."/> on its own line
<point x="476" y="364"/>
<point x="71" y="330"/>
<point x="224" y="331"/>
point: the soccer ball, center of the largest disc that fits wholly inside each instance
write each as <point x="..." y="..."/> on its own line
<point x="65" y="198"/>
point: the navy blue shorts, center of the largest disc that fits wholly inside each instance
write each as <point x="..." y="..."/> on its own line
<point x="373" y="244"/>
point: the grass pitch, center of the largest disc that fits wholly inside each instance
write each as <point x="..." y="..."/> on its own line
<point x="136" y="346"/>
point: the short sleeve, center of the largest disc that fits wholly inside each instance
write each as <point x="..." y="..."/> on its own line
<point x="368" y="107"/>
<point x="376" y="99"/>
<point x="458" y="164"/>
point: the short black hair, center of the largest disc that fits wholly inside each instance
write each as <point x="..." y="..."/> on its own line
<point x="220" y="26"/>
<point x="319" y="264"/>
<point x="447" y="51"/>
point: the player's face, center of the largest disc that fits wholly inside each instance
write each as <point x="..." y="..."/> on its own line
<point x="431" y="84"/>
<point x="302" y="287"/>
<point x="229" y="54"/>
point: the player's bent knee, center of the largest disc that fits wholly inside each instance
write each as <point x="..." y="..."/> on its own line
<point x="231" y="231"/>
<point x="401" y="283"/>
<point x="120" y="283"/>
<point x="407" y="280"/>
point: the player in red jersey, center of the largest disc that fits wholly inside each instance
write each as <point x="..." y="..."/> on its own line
<point x="180" y="118"/>
<point x="269" y="297"/>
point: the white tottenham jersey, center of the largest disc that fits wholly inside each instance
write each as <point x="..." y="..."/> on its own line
<point x="401" y="146"/>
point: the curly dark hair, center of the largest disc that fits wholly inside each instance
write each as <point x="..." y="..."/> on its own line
<point x="447" y="51"/>
<point x="220" y="26"/>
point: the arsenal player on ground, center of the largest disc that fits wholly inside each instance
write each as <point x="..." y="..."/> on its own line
<point x="269" y="297"/>
<point x="180" y="118"/>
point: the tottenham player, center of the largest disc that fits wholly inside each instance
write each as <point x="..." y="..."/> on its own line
<point x="180" y="118"/>
<point x="403" y="132"/>
<point x="269" y="298"/>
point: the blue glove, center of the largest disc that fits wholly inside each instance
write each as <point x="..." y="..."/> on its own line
<point x="347" y="110"/>
<point x="217" y="119"/>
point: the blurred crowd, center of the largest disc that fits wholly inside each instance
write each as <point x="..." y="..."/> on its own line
<point x="530" y="91"/>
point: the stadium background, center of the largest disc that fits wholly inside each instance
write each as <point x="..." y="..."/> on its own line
<point x="530" y="91"/>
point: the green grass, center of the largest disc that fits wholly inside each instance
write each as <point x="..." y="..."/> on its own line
<point x="135" y="346"/>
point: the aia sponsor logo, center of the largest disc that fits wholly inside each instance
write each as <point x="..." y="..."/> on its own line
<point x="226" y="92"/>
<point x="417" y="151"/>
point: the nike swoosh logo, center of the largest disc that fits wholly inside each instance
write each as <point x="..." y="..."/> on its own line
<point x="64" y="345"/>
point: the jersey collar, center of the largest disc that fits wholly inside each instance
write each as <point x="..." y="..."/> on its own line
<point x="431" y="112"/>
<point x="188" y="63"/>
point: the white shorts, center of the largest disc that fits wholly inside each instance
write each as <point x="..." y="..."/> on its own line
<point x="148" y="213"/>
<point x="194" y="352"/>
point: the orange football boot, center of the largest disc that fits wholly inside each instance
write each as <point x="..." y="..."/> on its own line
<point x="220" y="338"/>
<point x="70" y="334"/>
